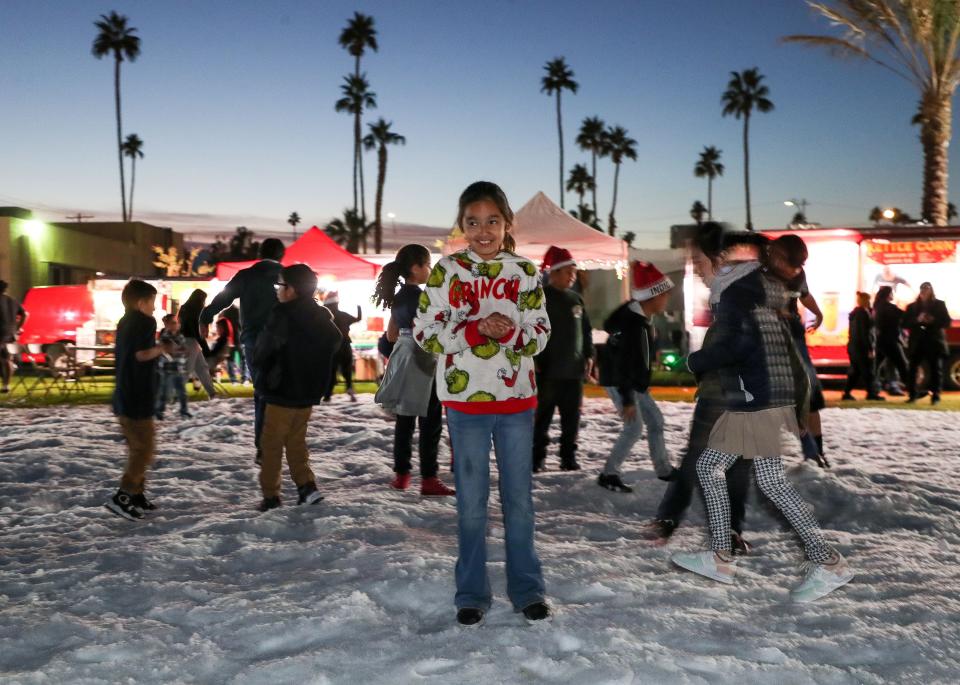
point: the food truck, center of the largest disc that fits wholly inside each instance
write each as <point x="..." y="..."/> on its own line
<point x="846" y="260"/>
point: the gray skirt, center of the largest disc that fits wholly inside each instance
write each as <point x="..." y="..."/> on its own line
<point x="405" y="389"/>
<point x="754" y="433"/>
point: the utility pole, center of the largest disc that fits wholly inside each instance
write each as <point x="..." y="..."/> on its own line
<point x="78" y="217"/>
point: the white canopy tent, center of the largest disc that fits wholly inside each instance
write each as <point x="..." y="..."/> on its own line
<point x="540" y="223"/>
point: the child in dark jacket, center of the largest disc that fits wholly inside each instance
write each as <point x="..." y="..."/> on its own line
<point x="625" y="374"/>
<point x="343" y="360"/>
<point x="294" y="353"/>
<point x="136" y="355"/>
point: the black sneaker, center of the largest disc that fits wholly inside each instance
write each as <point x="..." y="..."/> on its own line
<point x="739" y="546"/>
<point x="122" y="505"/>
<point x="663" y="528"/>
<point x="569" y="465"/>
<point x="308" y="494"/>
<point x="876" y="398"/>
<point x="537" y="611"/>
<point x="141" y="502"/>
<point x="269" y="503"/>
<point x="613" y="483"/>
<point x="469" y="616"/>
<point x="935" y="399"/>
<point x="258" y="460"/>
<point x="847" y="397"/>
<point x="186" y="415"/>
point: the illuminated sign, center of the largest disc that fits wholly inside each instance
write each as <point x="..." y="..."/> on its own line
<point x="911" y="251"/>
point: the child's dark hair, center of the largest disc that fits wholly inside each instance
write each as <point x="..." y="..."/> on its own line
<point x="737" y="238"/>
<point x="272" y="248"/>
<point x="301" y="278"/>
<point x="408" y="257"/>
<point x="883" y="294"/>
<point x="709" y="239"/>
<point x="793" y="249"/>
<point x="134" y="291"/>
<point x="167" y="318"/>
<point x="485" y="190"/>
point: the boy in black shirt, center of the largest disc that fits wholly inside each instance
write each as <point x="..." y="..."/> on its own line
<point x="294" y="355"/>
<point x="564" y="363"/>
<point x="136" y="353"/>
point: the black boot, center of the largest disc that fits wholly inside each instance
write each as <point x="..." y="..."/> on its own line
<point x="613" y="483"/>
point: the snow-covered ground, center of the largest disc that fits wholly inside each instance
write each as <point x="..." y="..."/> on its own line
<point x="359" y="589"/>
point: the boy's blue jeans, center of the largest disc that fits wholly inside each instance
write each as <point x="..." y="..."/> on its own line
<point x="169" y="381"/>
<point x="512" y="436"/>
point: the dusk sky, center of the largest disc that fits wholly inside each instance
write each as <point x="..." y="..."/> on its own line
<point x="234" y="102"/>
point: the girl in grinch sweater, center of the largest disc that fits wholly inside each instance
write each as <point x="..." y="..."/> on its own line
<point x="483" y="313"/>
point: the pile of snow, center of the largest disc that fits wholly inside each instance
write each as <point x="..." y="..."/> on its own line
<point x="359" y="589"/>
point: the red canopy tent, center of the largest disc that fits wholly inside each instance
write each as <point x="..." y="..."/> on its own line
<point x="319" y="251"/>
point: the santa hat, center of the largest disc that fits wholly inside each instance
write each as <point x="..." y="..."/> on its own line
<point x="556" y="258"/>
<point x="332" y="297"/>
<point x="646" y="281"/>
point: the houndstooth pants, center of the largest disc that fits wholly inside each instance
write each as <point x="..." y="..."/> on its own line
<point x="712" y="470"/>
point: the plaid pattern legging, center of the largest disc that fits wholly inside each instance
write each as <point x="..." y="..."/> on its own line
<point x="712" y="470"/>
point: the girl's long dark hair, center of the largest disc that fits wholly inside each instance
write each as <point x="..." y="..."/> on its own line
<point x="883" y="294"/>
<point x="486" y="190"/>
<point x="408" y="257"/>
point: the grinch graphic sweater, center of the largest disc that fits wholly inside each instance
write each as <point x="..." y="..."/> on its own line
<point x="477" y="374"/>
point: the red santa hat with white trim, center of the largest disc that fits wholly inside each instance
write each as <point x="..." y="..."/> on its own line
<point x="647" y="281"/>
<point x="556" y="258"/>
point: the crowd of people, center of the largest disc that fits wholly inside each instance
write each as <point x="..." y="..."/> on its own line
<point x="498" y="345"/>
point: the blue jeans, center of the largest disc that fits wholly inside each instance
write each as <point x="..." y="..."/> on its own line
<point x="175" y="382"/>
<point x="512" y="436"/>
<point x="647" y="413"/>
<point x="259" y="405"/>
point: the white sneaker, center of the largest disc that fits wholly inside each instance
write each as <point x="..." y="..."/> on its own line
<point x="706" y="564"/>
<point x="821" y="580"/>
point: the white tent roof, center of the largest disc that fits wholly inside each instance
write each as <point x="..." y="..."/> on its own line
<point x="540" y="223"/>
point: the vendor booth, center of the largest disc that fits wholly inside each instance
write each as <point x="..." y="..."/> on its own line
<point x="351" y="276"/>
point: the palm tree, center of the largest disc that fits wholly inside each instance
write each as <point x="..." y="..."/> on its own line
<point x="629" y="237"/>
<point x="293" y="220"/>
<point x="580" y="181"/>
<point x="559" y="78"/>
<point x="349" y="231"/>
<point x="590" y="139"/>
<point x="584" y="214"/>
<point x="876" y="214"/>
<point x="379" y="137"/>
<point x="358" y="35"/>
<point x="951" y="211"/>
<point x="618" y="146"/>
<point x="356" y="96"/>
<point x="132" y="148"/>
<point x="744" y="93"/>
<point x="697" y="212"/>
<point x="117" y="39"/>
<point x="709" y="166"/>
<point x="919" y="41"/>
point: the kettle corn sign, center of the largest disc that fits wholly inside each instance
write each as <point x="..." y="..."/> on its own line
<point x="912" y="251"/>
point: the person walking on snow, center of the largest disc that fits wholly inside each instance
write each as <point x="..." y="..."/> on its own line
<point x="625" y="374"/>
<point x="409" y="387"/>
<point x="564" y="363"/>
<point x="765" y="382"/>
<point x="708" y="255"/>
<point x="294" y="353"/>
<point x="256" y="288"/>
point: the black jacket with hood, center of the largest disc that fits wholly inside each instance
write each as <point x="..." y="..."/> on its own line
<point x="628" y="354"/>
<point x="294" y="353"/>
<point x="256" y="288"/>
